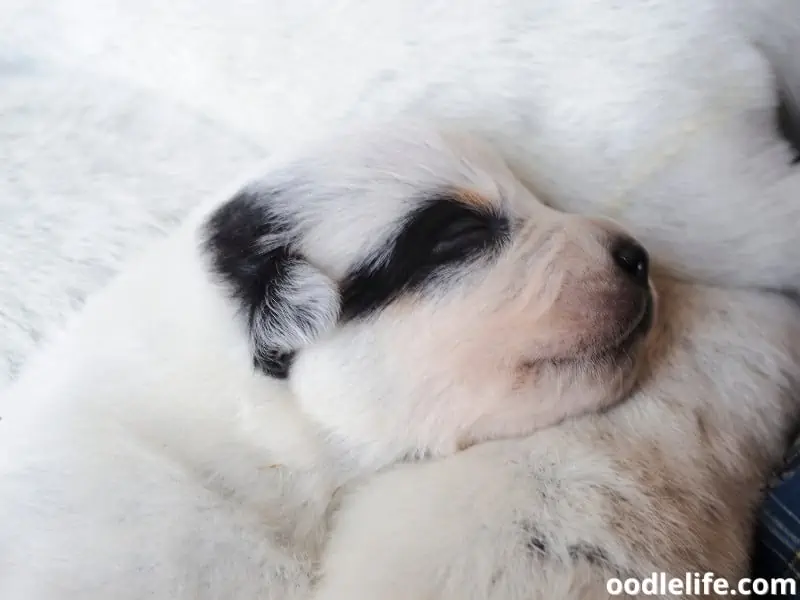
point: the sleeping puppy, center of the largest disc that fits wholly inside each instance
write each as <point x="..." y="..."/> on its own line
<point x="666" y="482"/>
<point x="391" y="295"/>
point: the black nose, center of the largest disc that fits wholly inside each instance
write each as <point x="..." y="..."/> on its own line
<point x="631" y="258"/>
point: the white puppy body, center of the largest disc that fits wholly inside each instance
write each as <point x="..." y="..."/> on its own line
<point x="128" y="473"/>
<point x="390" y="296"/>
<point x="667" y="482"/>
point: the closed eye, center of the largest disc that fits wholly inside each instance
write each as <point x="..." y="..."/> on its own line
<point x="442" y="231"/>
<point x="464" y="234"/>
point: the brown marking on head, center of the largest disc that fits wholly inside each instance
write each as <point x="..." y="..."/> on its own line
<point x="472" y="198"/>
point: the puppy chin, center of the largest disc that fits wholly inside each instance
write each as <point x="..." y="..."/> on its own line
<point x="624" y="364"/>
<point x="636" y="331"/>
<point x="614" y="371"/>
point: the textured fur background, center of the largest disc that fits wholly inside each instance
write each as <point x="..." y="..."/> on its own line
<point x="117" y="117"/>
<point x="92" y="167"/>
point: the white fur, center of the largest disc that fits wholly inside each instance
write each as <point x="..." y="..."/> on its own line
<point x="119" y="116"/>
<point x="659" y="111"/>
<point x="668" y="481"/>
<point x="143" y="455"/>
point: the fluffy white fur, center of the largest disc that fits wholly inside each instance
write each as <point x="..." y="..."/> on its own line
<point x="142" y="454"/>
<point x="661" y="113"/>
<point x="118" y="117"/>
<point x="669" y="481"/>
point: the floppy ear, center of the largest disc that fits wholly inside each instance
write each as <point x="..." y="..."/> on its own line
<point x="288" y="302"/>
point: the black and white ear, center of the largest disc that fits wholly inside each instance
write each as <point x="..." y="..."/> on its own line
<point x="300" y="303"/>
<point x="288" y="302"/>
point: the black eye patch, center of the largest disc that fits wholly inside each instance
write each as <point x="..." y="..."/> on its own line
<point x="443" y="231"/>
<point x="465" y="232"/>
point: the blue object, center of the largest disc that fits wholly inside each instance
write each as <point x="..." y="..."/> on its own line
<point x="777" y="540"/>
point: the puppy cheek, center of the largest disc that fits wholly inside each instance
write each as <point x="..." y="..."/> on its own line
<point x="339" y="382"/>
<point x="319" y="371"/>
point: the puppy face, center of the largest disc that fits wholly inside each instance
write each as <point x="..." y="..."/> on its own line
<point x="419" y="299"/>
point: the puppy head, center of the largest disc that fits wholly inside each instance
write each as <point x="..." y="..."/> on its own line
<point x="419" y="299"/>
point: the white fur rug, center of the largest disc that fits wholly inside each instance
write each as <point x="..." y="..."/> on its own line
<point x="116" y="117"/>
<point x="92" y="167"/>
